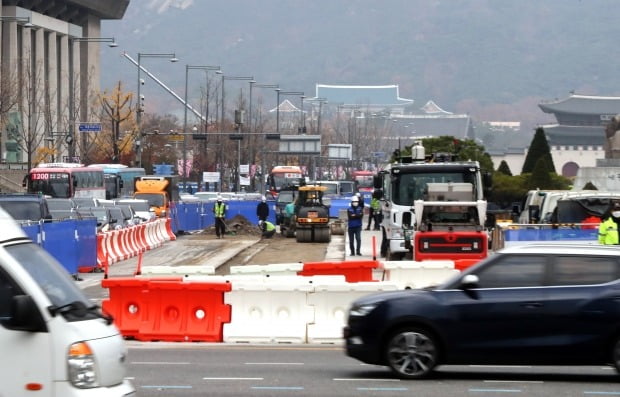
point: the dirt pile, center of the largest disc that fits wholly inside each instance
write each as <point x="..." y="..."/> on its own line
<point x="238" y="225"/>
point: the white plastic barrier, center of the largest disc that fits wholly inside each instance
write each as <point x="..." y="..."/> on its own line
<point x="331" y="302"/>
<point x="184" y="270"/>
<point x="289" y="269"/>
<point x="411" y="274"/>
<point x="274" y="311"/>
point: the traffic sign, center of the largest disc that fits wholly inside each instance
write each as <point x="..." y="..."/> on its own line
<point x="89" y="127"/>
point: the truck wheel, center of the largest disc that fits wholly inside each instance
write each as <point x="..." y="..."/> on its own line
<point x="303" y="235"/>
<point x="322" y="235"/>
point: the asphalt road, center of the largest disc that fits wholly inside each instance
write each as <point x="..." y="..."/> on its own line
<point x="163" y="369"/>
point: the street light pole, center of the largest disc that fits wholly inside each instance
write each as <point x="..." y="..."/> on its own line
<point x="185" y="106"/>
<point x="248" y="78"/>
<point x="70" y="138"/>
<point x="301" y="93"/>
<point x="139" y="100"/>
<point x="253" y="83"/>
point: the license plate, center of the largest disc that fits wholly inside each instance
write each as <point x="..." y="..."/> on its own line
<point x="313" y="214"/>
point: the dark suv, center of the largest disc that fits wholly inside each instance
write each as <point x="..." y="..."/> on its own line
<point x="540" y="304"/>
<point x="25" y="207"/>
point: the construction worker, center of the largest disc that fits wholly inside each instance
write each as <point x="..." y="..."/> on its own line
<point x="374" y="212"/>
<point x="268" y="229"/>
<point x="219" y="210"/>
<point x="355" y="213"/>
<point x="608" y="229"/>
<point x="262" y="209"/>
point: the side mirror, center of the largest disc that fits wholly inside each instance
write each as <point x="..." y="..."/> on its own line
<point x="25" y="315"/>
<point x="470" y="281"/>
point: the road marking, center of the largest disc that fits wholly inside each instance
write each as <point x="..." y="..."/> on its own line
<point x="496" y="390"/>
<point x="366" y="379"/>
<point x="513" y="381"/>
<point x="500" y="366"/>
<point x="274" y="363"/>
<point x="382" y="388"/>
<point x="158" y="363"/>
<point x="233" y="378"/>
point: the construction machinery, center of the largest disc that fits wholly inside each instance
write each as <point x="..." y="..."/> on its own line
<point x="310" y="223"/>
<point x="433" y="207"/>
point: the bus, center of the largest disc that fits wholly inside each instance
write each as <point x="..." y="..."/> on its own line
<point x="119" y="179"/>
<point x="283" y="175"/>
<point x="65" y="180"/>
<point x="364" y="183"/>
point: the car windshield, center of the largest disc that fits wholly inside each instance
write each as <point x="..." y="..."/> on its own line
<point x="22" y="210"/>
<point x="47" y="272"/>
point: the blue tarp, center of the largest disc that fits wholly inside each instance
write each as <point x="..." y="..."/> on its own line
<point x="550" y="234"/>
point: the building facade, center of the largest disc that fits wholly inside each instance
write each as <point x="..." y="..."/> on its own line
<point x="578" y="138"/>
<point x="49" y="51"/>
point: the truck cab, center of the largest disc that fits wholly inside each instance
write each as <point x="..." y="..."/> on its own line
<point x="160" y="191"/>
<point x="55" y="341"/>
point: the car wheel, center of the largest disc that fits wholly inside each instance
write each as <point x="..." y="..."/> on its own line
<point x="411" y="353"/>
<point x="616" y="354"/>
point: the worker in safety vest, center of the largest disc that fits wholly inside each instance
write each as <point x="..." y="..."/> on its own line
<point x="608" y="229"/>
<point x="219" y="210"/>
<point x="267" y="228"/>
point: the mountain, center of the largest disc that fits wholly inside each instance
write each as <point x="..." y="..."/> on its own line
<point x="493" y="59"/>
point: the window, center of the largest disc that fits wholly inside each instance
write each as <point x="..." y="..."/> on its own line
<point x="511" y="271"/>
<point x="7" y="291"/>
<point x="583" y="270"/>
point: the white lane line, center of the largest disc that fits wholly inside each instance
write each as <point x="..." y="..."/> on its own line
<point x="496" y="390"/>
<point x="158" y="363"/>
<point x="233" y="378"/>
<point x="274" y="363"/>
<point x="513" y="381"/>
<point x="365" y="380"/>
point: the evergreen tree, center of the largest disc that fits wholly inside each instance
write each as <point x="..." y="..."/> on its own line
<point x="589" y="186"/>
<point x="504" y="168"/>
<point x="541" y="176"/>
<point x="539" y="148"/>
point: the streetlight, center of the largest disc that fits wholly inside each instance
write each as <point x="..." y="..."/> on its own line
<point x="139" y="108"/>
<point x="70" y="138"/>
<point x="278" y="107"/>
<point x="262" y="169"/>
<point x="246" y="78"/>
<point x="187" y="69"/>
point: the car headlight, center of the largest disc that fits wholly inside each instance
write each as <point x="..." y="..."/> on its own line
<point x="362" y="310"/>
<point x="81" y="366"/>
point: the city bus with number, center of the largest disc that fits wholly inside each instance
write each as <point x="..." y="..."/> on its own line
<point x="65" y="180"/>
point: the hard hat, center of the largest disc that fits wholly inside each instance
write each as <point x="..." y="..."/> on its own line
<point x="260" y="223"/>
<point x="219" y="198"/>
<point x="358" y="194"/>
<point x="263" y="198"/>
<point x="355" y="199"/>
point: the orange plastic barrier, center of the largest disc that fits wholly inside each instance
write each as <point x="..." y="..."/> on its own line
<point x="353" y="271"/>
<point x="192" y="312"/>
<point x="462" y="264"/>
<point x="129" y="302"/>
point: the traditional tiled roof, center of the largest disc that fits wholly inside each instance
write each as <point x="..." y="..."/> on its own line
<point x="361" y="95"/>
<point x="432" y="108"/>
<point x="558" y="135"/>
<point x="286" y="107"/>
<point x="583" y="104"/>
<point x="459" y="126"/>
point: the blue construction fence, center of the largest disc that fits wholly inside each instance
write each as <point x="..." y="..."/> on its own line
<point x="549" y="234"/>
<point x="71" y="242"/>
